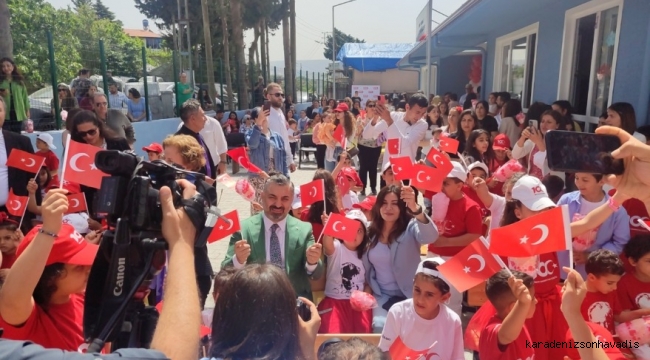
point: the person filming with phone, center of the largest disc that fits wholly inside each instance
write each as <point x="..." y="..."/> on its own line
<point x="40" y="299"/>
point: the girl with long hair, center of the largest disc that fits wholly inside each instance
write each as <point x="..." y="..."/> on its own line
<point x="319" y="123"/>
<point x="398" y="230"/>
<point x="14" y="92"/>
<point x="479" y="147"/>
<point x="453" y="119"/>
<point x="622" y="115"/>
<point x="565" y="108"/>
<point x="531" y="144"/>
<point x="444" y="112"/>
<point x="466" y="125"/>
<point x="509" y="123"/>
<point x="485" y="120"/>
<point x="344" y="118"/>
<point x="67" y="102"/>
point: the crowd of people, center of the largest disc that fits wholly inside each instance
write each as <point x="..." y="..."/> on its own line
<point x="283" y="250"/>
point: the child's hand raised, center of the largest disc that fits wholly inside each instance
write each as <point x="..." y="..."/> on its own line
<point x="32" y="186"/>
<point x="573" y="292"/>
<point x="519" y="289"/>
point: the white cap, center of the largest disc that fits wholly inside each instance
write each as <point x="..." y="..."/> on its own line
<point x="48" y="139"/>
<point x="436" y="273"/>
<point x="78" y="220"/>
<point x="458" y="172"/>
<point x="385" y="167"/>
<point x="357" y="215"/>
<point x="532" y="193"/>
<point x="479" y="165"/>
<point x="297" y="202"/>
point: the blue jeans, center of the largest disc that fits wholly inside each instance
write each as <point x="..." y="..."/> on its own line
<point x="330" y="165"/>
<point x="379" y="314"/>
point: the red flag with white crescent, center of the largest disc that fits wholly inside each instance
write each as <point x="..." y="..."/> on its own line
<point x="340" y="227"/>
<point x="80" y="165"/>
<point x="16" y="205"/>
<point x="241" y="156"/>
<point x="225" y="226"/>
<point x="470" y="267"/>
<point x="25" y="161"/>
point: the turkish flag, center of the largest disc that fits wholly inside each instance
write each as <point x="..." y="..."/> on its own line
<point x="77" y="203"/>
<point x="471" y="266"/>
<point x="427" y="178"/>
<point x="342" y="184"/>
<point x="399" y="350"/>
<point x="226" y="180"/>
<point x="402" y="167"/>
<point x="16" y="205"/>
<point x="241" y="156"/>
<point x="449" y="145"/>
<point x="545" y="232"/>
<point x="312" y="192"/>
<point x="224" y="228"/>
<point x="339" y="135"/>
<point x="25" y="161"/>
<point x="440" y="161"/>
<point x="394" y="146"/>
<point x="340" y="227"/>
<point x="79" y="165"/>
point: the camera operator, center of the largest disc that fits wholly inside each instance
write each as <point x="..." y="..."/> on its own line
<point x="176" y="334"/>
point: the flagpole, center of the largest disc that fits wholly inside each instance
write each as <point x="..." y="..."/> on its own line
<point x="65" y="161"/>
<point x="321" y="233"/>
<point x="23" y="216"/>
<point x="496" y="257"/>
<point x="322" y="183"/>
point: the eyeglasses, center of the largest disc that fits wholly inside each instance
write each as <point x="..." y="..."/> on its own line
<point x="61" y="90"/>
<point x="101" y="104"/>
<point x="91" y="132"/>
<point x="278" y="95"/>
<point x="370" y="106"/>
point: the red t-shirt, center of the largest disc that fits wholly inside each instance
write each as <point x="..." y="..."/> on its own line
<point x="8" y="261"/>
<point x="471" y="193"/>
<point x="489" y="347"/>
<point x="463" y="217"/>
<point x="600" y="308"/>
<point x="633" y="294"/>
<point x="51" y="161"/>
<point x="60" y="327"/>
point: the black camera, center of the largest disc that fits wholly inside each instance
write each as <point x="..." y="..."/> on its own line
<point x="303" y="310"/>
<point x="132" y="250"/>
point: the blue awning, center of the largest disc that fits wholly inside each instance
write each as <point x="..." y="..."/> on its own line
<point x="372" y="57"/>
<point x="473" y="24"/>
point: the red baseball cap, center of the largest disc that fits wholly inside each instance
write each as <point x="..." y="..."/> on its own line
<point x="601" y="334"/>
<point x="342" y="107"/>
<point x="153" y="147"/>
<point x="69" y="247"/>
<point x="349" y="171"/>
<point x="366" y="204"/>
<point x="501" y="142"/>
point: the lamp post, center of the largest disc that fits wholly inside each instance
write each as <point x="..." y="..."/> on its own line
<point x="334" y="48"/>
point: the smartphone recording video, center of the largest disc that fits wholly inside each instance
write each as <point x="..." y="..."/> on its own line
<point x="572" y="152"/>
<point x="266" y="106"/>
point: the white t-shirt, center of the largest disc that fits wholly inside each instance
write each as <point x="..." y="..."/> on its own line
<point x="349" y="199"/>
<point x="345" y="273"/>
<point x="587" y="206"/>
<point x="496" y="209"/>
<point x="379" y="257"/>
<point x="405" y="328"/>
<point x="411" y="135"/>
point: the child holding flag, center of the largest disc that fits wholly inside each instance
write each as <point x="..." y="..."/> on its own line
<point x="10" y="237"/>
<point x="345" y="274"/>
<point x="424" y="325"/>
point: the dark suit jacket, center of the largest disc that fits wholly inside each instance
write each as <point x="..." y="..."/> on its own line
<point x="18" y="179"/>
<point x="298" y="237"/>
<point x="213" y="171"/>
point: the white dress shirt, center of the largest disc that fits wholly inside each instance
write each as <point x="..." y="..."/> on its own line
<point x="4" y="172"/>
<point x="281" y="233"/>
<point x="411" y="135"/>
<point x="214" y="138"/>
<point x="278" y="123"/>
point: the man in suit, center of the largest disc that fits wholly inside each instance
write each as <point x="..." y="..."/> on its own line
<point x="194" y="121"/>
<point x="273" y="237"/>
<point x="12" y="178"/>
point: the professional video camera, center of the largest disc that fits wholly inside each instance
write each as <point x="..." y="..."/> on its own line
<point x="132" y="250"/>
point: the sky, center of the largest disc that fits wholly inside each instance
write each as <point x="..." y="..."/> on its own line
<point x="375" y="21"/>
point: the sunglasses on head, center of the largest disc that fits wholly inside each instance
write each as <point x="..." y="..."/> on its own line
<point x="91" y="132"/>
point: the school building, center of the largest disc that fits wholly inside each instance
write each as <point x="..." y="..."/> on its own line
<point x="590" y="52"/>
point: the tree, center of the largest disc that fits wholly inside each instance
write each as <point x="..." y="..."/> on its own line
<point x="102" y="11"/>
<point x="6" y="41"/>
<point x="341" y="38"/>
<point x="292" y="20"/>
<point x="238" y="41"/>
<point x="208" y="49"/>
<point x="226" y="52"/>
<point x="286" y="41"/>
<point x="79" y="3"/>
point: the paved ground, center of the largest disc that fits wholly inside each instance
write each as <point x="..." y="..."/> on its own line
<point x="230" y="200"/>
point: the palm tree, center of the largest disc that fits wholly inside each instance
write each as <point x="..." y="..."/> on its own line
<point x="6" y="42"/>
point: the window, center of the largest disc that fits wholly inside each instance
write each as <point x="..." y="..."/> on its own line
<point x="591" y="34"/>
<point x="515" y="64"/>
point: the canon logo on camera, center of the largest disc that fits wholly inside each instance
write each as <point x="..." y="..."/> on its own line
<point x="119" y="283"/>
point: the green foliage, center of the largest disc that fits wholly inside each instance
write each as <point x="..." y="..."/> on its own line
<point x="159" y="57"/>
<point x="341" y="38"/>
<point x="102" y="11"/>
<point x="30" y="20"/>
<point x="76" y="36"/>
